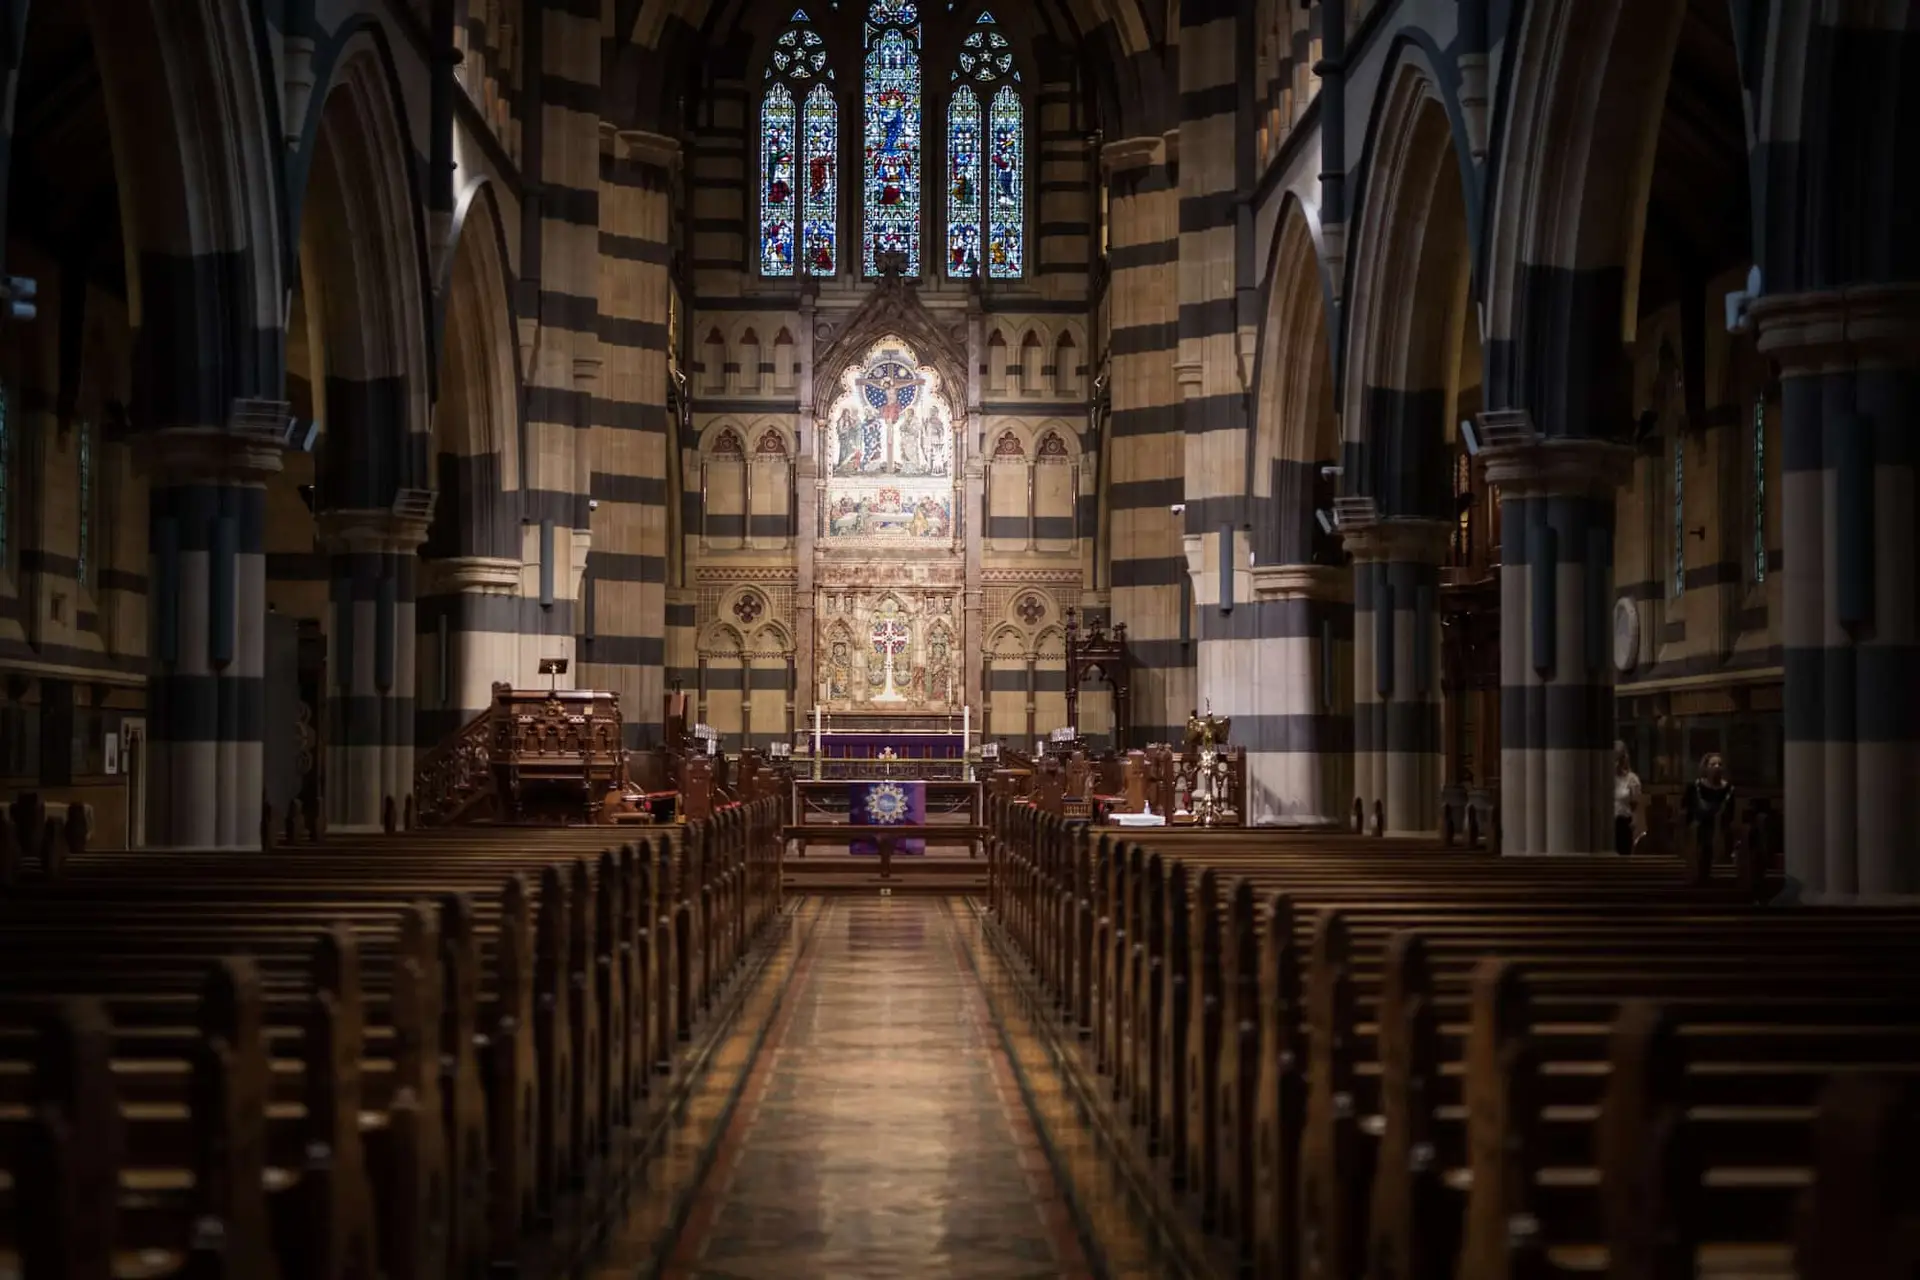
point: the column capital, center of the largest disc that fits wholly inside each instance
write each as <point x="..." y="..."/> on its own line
<point x="1132" y="153"/>
<point x="651" y="150"/>
<point x="1302" y="581"/>
<point x="1397" y="539"/>
<point x="475" y="575"/>
<point x="374" y="531"/>
<point x="245" y="450"/>
<point x="1558" y="467"/>
<point x="1870" y="324"/>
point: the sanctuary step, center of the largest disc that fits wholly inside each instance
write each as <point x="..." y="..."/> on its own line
<point x="829" y="870"/>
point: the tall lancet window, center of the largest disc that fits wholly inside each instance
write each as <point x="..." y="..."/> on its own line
<point x="963" y="183"/>
<point x="892" y="162"/>
<point x="83" y="447"/>
<point x="1679" y="515"/>
<point x="986" y="151"/>
<point x="1006" y="222"/>
<point x="799" y="130"/>
<point x="1759" y="491"/>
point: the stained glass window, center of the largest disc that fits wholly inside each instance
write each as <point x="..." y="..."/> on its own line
<point x="985" y="54"/>
<point x="986" y="215"/>
<point x="892" y="182"/>
<point x="799" y="128"/>
<point x="1006" y="223"/>
<point x="1759" y="491"/>
<point x="83" y="445"/>
<point x="821" y="206"/>
<point x="1679" y="515"/>
<point x="963" y="184"/>
<point x="777" y="212"/>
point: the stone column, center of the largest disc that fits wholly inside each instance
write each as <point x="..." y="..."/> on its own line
<point x="207" y="696"/>
<point x="1299" y="737"/>
<point x="479" y="598"/>
<point x="808" y="491"/>
<point x="1146" y="481"/>
<point x="1850" y="395"/>
<point x="1396" y="669"/>
<point x="1557" y="499"/>
<point x="971" y="500"/>
<point x="373" y="561"/>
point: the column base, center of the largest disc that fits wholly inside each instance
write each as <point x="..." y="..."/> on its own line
<point x="1828" y="899"/>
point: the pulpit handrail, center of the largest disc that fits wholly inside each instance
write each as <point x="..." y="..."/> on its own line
<point x="456" y="774"/>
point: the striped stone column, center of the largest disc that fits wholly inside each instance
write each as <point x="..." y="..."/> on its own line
<point x="624" y="615"/>
<point x="1850" y="395"/>
<point x="206" y="710"/>
<point x="472" y="623"/>
<point x="1556" y="666"/>
<point x="1299" y="737"/>
<point x="1147" y="564"/>
<point x="1063" y="232"/>
<point x="373" y="562"/>
<point x="1396" y="670"/>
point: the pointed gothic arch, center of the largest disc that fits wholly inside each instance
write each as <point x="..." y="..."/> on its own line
<point x="893" y="311"/>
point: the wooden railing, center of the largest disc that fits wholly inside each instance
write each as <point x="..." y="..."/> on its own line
<point x="1161" y="777"/>
<point x="454" y="782"/>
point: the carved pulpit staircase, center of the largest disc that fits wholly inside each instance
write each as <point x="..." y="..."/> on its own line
<point x="453" y="782"/>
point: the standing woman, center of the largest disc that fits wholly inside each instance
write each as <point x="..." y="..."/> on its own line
<point x="1709" y="800"/>
<point x="1626" y="799"/>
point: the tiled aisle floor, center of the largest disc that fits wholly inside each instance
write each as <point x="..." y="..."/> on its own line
<point x="881" y="1133"/>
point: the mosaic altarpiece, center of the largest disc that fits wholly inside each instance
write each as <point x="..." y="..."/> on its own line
<point x="889" y="549"/>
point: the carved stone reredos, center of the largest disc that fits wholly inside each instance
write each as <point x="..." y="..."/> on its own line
<point x="893" y="309"/>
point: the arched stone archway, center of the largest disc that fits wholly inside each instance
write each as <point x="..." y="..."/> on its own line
<point x="472" y="612"/>
<point x="363" y="294"/>
<point x="1291" y="716"/>
<point x="137" y="158"/>
<point x="1403" y="373"/>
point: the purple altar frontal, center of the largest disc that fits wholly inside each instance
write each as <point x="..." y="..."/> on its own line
<point x="881" y="804"/>
<point x="905" y="746"/>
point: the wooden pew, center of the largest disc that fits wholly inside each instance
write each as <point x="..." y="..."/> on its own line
<point x="592" y="977"/>
<point x="1331" y="990"/>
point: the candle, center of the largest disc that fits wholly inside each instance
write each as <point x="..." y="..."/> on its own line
<point x="816" y="731"/>
<point x="966" y="728"/>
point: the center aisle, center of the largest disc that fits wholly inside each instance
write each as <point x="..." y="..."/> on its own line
<point x="881" y="1132"/>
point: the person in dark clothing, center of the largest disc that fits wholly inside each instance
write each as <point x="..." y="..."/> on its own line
<point x="1709" y="800"/>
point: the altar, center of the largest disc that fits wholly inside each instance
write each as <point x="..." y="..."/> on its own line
<point x="879" y="745"/>
<point x="889" y="818"/>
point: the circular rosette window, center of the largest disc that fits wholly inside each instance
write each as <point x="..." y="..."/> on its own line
<point x="887" y="803"/>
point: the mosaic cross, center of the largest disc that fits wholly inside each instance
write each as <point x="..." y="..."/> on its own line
<point x="890" y="388"/>
<point x="890" y="641"/>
